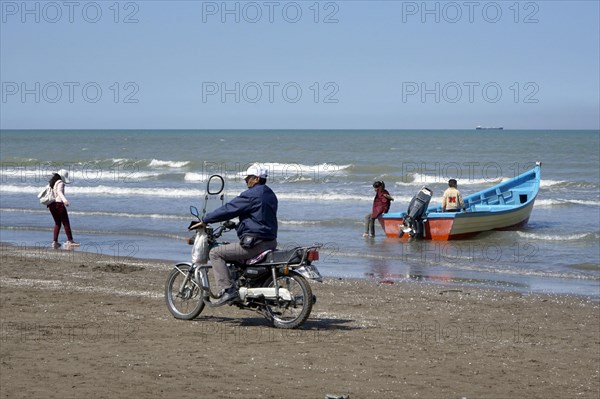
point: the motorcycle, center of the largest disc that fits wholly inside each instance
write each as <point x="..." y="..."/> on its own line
<point x="274" y="283"/>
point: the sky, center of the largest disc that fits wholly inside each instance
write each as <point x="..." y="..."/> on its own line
<point x="299" y="64"/>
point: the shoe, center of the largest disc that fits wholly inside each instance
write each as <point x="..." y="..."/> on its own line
<point x="365" y="235"/>
<point x="227" y="296"/>
<point x="73" y="243"/>
<point x="55" y="245"/>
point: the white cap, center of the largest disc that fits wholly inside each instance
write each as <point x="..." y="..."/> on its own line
<point x="64" y="175"/>
<point x="257" y="170"/>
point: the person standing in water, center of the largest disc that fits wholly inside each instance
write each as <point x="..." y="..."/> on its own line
<point x="381" y="205"/>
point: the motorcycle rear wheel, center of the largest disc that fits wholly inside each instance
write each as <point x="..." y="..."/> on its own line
<point x="290" y="314"/>
<point x="185" y="301"/>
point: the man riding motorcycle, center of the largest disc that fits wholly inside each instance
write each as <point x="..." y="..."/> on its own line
<point x="256" y="209"/>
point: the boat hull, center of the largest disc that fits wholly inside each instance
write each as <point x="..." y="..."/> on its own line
<point x="437" y="227"/>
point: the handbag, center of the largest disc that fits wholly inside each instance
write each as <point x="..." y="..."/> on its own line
<point x="46" y="196"/>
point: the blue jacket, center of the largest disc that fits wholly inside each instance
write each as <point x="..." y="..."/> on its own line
<point x="256" y="209"/>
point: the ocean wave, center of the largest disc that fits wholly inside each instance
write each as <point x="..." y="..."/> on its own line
<point x="323" y="222"/>
<point x="181" y="192"/>
<point x="101" y="213"/>
<point x="128" y="170"/>
<point x="301" y="222"/>
<point x="551" y="183"/>
<point x="421" y="179"/>
<point x="185" y="217"/>
<point x="168" y="164"/>
<point x="560" y="237"/>
<point x="105" y="233"/>
<point x="565" y="202"/>
<point x="345" y="195"/>
<point x="86" y="173"/>
<point x="278" y="172"/>
<point x="520" y="272"/>
<point x="317" y="196"/>
<point x="584" y="202"/>
<point x="568" y="184"/>
<point x="111" y="191"/>
<point x="418" y="179"/>
<point x="586" y="267"/>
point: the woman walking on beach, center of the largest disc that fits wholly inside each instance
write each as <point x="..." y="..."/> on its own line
<point x="58" y="209"/>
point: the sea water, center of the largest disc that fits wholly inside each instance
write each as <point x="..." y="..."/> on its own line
<point x="132" y="190"/>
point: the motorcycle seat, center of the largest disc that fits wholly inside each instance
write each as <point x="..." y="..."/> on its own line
<point x="258" y="258"/>
<point x="293" y="255"/>
<point x="276" y="256"/>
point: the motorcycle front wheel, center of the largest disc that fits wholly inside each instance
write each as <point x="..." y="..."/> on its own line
<point x="290" y="314"/>
<point x="184" y="298"/>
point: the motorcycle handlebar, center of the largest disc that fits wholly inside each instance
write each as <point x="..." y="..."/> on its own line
<point x="228" y="225"/>
<point x="218" y="231"/>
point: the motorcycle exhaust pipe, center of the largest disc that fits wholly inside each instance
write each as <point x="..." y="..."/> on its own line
<point x="265" y="292"/>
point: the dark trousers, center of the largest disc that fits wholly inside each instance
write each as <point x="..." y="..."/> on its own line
<point x="58" y="210"/>
<point x="370" y="224"/>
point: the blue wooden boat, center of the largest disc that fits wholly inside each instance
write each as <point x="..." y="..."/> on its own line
<point x="507" y="205"/>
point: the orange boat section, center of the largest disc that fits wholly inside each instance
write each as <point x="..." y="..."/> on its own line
<point x="440" y="231"/>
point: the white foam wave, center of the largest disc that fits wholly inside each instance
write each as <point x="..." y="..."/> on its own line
<point x="584" y="202"/>
<point x="550" y="183"/>
<point x="100" y="213"/>
<point x="296" y="169"/>
<point x="89" y="174"/>
<point x="195" y="177"/>
<point x="152" y="192"/>
<point x="421" y="179"/>
<point x="110" y="191"/>
<point x="279" y="172"/>
<point x="557" y="237"/>
<point x="301" y="222"/>
<point x="189" y="192"/>
<point x="157" y="163"/>
<point x="322" y="197"/>
<point x="548" y="202"/>
<point x="562" y="202"/>
<point x="169" y="192"/>
<point x="400" y="200"/>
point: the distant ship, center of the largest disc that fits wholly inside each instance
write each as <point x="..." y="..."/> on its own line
<point x="489" y="128"/>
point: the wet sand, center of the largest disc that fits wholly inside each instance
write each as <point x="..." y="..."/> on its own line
<point x="77" y="324"/>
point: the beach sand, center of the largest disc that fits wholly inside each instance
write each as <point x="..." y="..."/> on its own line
<point x="78" y="325"/>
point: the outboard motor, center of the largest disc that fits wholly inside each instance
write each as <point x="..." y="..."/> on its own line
<point x="413" y="220"/>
